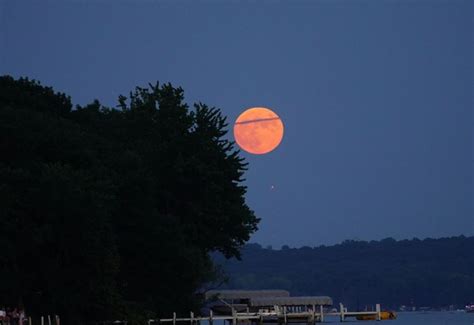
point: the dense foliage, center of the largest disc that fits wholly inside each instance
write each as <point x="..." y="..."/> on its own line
<point x="108" y="213"/>
<point x="430" y="272"/>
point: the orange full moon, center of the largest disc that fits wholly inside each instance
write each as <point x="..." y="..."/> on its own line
<point x="258" y="130"/>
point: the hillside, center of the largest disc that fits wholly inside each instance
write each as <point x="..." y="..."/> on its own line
<point x="430" y="272"/>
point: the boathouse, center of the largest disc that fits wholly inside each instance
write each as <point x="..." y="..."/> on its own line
<point x="225" y="302"/>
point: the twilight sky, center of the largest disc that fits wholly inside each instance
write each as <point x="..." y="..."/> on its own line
<point x="376" y="97"/>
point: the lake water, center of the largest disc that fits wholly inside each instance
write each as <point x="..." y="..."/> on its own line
<point x="411" y="318"/>
<point x="428" y="318"/>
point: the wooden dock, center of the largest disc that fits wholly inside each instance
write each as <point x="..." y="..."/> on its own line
<point x="277" y="315"/>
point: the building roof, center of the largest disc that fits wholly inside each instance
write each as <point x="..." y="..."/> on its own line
<point x="290" y="301"/>
<point x="246" y="294"/>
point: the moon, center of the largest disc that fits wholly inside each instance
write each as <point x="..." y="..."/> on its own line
<point x="258" y="130"/>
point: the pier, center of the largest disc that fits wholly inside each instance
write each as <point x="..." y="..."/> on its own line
<point x="256" y="307"/>
<point x="277" y="315"/>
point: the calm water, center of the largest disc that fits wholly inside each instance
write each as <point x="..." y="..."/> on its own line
<point x="413" y="318"/>
<point x="429" y="318"/>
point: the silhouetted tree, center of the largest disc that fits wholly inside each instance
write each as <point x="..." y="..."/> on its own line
<point x="113" y="212"/>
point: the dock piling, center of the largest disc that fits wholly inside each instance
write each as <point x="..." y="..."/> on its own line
<point x="379" y="314"/>
<point x="234" y="317"/>
<point x="342" y="312"/>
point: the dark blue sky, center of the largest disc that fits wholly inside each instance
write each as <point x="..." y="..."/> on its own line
<point x="376" y="97"/>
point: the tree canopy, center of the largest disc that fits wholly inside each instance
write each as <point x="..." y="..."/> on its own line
<point x="111" y="212"/>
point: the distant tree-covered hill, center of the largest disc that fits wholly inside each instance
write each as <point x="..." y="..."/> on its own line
<point x="430" y="272"/>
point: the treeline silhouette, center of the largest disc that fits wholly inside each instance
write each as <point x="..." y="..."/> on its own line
<point x="112" y="213"/>
<point x="420" y="273"/>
